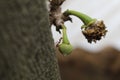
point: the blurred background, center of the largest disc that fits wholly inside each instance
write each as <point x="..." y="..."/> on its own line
<point x="107" y="10"/>
<point x="96" y="61"/>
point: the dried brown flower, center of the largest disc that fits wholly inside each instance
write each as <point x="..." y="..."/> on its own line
<point x="94" y="31"/>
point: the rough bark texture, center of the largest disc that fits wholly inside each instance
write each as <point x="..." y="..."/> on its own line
<point x="26" y="44"/>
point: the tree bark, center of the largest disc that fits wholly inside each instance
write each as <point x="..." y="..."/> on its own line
<point x="26" y="43"/>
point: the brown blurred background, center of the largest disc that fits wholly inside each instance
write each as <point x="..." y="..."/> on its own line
<point x="85" y="65"/>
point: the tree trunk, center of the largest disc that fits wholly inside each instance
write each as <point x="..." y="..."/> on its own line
<point x="26" y="44"/>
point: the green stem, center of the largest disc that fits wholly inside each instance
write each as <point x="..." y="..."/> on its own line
<point x="65" y="38"/>
<point x="85" y="18"/>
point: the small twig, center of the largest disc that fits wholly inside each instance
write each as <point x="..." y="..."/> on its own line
<point x="57" y="45"/>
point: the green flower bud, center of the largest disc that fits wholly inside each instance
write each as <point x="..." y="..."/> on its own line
<point x="65" y="47"/>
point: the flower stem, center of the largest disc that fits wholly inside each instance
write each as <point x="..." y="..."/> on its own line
<point x="65" y="38"/>
<point x="85" y="18"/>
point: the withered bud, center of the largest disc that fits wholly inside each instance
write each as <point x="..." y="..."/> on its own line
<point x="94" y="31"/>
<point x="56" y="3"/>
<point x="56" y="16"/>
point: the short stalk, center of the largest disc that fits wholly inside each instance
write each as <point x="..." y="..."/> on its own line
<point x="65" y="38"/>
<point x="85" y="18"/>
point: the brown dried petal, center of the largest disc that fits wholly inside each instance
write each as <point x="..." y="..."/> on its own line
<point x="95" y="31"/>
